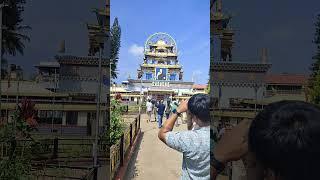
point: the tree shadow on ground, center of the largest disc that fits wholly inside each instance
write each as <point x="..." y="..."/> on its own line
<point x="132" y="170"/>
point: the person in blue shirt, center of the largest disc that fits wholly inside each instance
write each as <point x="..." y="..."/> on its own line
<point x="193" y="143"/>
<point x="161" y="107"/>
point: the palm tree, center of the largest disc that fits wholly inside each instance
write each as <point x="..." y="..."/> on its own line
<point x="13" y="34"/>
<point x="13" y="40"/>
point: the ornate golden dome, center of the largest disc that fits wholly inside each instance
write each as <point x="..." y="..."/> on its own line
<point x="161" y="43"/>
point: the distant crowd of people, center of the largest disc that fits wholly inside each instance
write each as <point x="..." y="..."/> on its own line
<point x="159" y="109"/>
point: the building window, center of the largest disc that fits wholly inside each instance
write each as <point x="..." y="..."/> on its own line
<point x="148" y="76"/>
<point x="72" y="118"/>
<point x="172" y="77"/>
<point x="49" y="117"/>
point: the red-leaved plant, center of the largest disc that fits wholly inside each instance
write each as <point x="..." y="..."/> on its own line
<point x="118" y="97"/>
<point x="28" y="112"/>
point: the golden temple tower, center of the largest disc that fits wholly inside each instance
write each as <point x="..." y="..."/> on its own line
<point x="160" y="61"/>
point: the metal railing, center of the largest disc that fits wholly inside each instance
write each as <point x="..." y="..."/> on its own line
<point x="71" y="157"/>
<point x="284" y="92"/>
<point x="62" y="172"/>
<point x="119" y="151"/>
<point x="49" y="100"/>
<point x="59" y="148"/>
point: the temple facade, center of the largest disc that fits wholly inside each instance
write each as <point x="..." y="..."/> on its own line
<point x="160" y="75"/>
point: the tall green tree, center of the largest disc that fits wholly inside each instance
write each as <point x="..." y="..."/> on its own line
<point x="316" y="65"/>
<point x="115" y="47"/>
<point x="315" y="91"/>
<point x="13" y="37"/>
<point x="314" y="83"/>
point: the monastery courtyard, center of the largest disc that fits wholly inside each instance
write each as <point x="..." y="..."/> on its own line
<point x="152" y="159"/>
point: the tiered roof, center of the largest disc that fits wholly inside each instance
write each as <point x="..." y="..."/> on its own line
<point x="81" y="60"/>
<point x="239" y="66"/>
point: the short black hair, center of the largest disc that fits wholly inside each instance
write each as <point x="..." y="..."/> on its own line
<point x="199" y="106"/>
<point x="285" y="137"/>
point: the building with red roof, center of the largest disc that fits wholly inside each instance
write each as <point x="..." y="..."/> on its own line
<point x="285" y="84"/>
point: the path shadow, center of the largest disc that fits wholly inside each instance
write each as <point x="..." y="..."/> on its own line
<point x="132" y="170"/>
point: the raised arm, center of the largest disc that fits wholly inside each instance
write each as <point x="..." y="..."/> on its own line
<point x="232" y="147"/>
<point x="169" y="124"/>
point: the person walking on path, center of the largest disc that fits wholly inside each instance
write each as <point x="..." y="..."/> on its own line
<point x="149" y="110"/>
<point x="168" y="109"/>
<point x="161" y="107"/>
<point x="193" y="143"/>
<point x="154" y="109"/>
<point x="174" y="106"/>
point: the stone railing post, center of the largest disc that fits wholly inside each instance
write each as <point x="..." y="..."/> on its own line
<point x="121" y="150"/>
<point x="55" y="148"/>
<point x="131" y="138"/>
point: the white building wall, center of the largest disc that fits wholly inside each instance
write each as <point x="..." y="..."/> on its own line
<point x="64" y="118"/>
<point x="10" y="115"/>
<point x="102" y="115"/>
<point x="82" y="118"/>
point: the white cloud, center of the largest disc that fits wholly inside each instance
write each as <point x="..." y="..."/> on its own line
<point x="197" y="72"/>
<point x="196" y="75"/>
<point x="136" y="50"/>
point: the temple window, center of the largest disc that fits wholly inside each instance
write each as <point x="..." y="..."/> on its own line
<point x="72" y="118"/>
<point x="148" y="76"/>
<point x="46" y="117"/>
<point x="172" y="77"/>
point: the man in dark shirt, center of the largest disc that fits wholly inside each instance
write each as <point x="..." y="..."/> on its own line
<point x="154" y="110"/>
<point x="161" y="107"/>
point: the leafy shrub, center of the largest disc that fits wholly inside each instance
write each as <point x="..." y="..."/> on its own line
<point x="114" y="133"/>
<point x="16" y="137"/>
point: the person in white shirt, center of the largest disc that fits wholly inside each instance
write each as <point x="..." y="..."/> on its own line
<point x="149" y="109"/>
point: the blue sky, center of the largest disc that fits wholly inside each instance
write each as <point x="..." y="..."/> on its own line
<point x="285" y="27"/>
<point x="49" y="28"/>
<point x="188" y="22"/>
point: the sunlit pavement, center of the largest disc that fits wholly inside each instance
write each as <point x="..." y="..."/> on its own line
<point x="152" y="159"/>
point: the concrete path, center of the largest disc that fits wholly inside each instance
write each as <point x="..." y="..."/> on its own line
<point x="153" y="160"/>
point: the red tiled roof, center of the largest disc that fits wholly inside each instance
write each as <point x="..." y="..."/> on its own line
<point x="199" y="86"/>
<point x="292" y="79"/>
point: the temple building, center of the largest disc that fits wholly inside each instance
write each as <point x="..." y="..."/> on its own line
<point x="65" y="91"/>
<point x="48" y="75"/>
<point x="160" y="75"/>
<point x="241" y="89"/>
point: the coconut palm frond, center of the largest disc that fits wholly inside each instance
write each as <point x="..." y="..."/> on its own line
<point x="14" y="39"/>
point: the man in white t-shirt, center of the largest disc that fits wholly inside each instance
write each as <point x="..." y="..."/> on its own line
<point x="149" y="109"/>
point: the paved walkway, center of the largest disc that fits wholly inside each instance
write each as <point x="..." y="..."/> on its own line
<point x="153" y="159"/>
